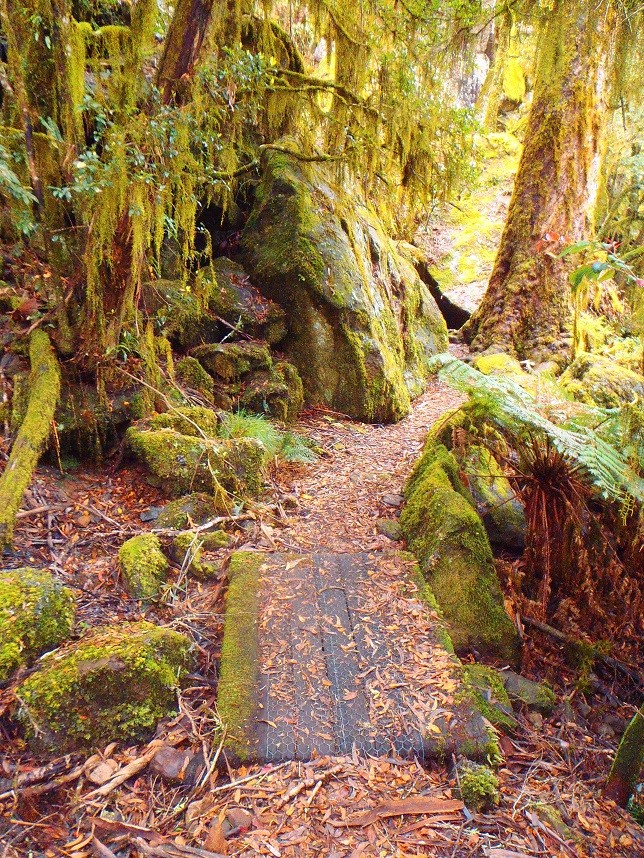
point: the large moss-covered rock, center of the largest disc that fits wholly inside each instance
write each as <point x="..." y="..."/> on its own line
<point x="36" y="614"/>
<point x="232" y="297"/>
<point x="362" y="325"/>
<point x="143" y="565"/>
<point x="597" y="380"/>
<point x="183" y="463"/>
<point x="116" y="683"/>
<point x="278" y="393"/>
<point x="229" y="362"/>
<point x="497" y="503"/>
<point x="446" y="534"/>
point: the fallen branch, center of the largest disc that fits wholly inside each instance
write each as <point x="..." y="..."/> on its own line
<point x="607" y="660"/>
<point x="132" y="768"/>
<point x="44" y="387"/>
<point x="173" y="850"/>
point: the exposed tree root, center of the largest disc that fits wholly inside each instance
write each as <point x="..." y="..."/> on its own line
<point x="44" y="392"/>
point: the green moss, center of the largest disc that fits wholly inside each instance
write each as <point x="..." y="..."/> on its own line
<point x="514" y="86"/>
<point x="484" y="688"/>
<point x="477" y="786"/>
<point x="44" y="391"/>
<point x="278" y="393"/>
<point x="535" y="695"/>
<point x="498" y="364"/>
<point x="597" y="380"/>
<point x="192" y="421"/>
<point x="187" y="551"/>
<point x="231" y="361"/>
<point x="116" y="683"/>
<point x="447" y="536"/>
<point x="239" y="667"/>
<point x="36" y="614"/>
<point x="143" y="565"/>
<point x="190" y="373"/>
<point x="193" y="509"/>
<point x="183" y="464"/>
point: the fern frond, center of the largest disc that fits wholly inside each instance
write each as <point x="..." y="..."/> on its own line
<point x="513" y="411"/>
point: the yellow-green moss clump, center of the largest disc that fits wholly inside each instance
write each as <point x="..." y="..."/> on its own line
<point x="187" y="550"/>
<point x="189" y="373"/>
<point x="447" y="535"/>
<point x="36" y="614"/>
<point x="193" y="421"/>
<point x="484" y="688"/>
<point x="597" y="380"/>
<point x="114" y="684"/>
<point x="326" y="260"/>
<point x="477" y="786"/>
<point x="143" y="565"/>
<point x="183" y="463"/>
<point x="193" y="509"/>
<point x="239" y="667"/>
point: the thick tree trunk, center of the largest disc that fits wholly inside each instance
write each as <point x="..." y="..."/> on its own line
<point x="526" y="309"/>
<point x="183" y="44"/>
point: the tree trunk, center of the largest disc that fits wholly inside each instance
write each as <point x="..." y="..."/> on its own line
<point x="489" y="99"/>
<point x="183" y="44"/>
<point x="628" y="762"/>
<point x="527" y="306"/>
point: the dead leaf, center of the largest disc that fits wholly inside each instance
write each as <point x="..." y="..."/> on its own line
<point x="215" y="840"/>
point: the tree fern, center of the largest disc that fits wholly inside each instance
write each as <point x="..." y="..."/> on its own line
<point x="514" y="411"/>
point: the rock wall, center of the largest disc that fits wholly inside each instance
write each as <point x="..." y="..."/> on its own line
<point x="361" y="324"/>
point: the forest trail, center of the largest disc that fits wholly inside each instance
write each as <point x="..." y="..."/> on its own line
<point x="349" y="656"/>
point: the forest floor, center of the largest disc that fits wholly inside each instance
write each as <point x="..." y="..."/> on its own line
<point x="550" y="779"/>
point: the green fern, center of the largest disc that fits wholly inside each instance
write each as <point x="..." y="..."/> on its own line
<point x="288" y="446"/>
<point x="513" y="411"/>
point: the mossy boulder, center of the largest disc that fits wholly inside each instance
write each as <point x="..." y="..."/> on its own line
<point x="143" y="565"/>
<point x="597" y="380"/>
<point x="362" y="325"/>
<point x="190" y="374"/>
<point x="277" y="393"/>
<point x="230" y="362"/>
<point x="446" y="534"/>
<point x="184" y="463"/>
<point x="497" y="503"/>
<point x="477" y="786"/>
<point x="36" y="614"/>
<point x="115" y="684"/>
<point x="484" y="687"/>
<point x="499" y="363"/>
<point x="193" y="509"/>
<point x="232" y="297"/>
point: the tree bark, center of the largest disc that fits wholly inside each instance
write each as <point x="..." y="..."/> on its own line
<point x="183" y="44"/>
<point x="527" y="306"/>
<point x="628" y="762"/>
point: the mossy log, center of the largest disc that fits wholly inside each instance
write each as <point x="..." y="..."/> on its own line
<point x="628" y="762"/>
<point x="44" y="387"/>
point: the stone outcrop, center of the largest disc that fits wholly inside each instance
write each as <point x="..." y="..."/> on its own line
<point x="361" y="324"/>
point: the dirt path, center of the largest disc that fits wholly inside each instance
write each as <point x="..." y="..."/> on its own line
<point x="349" y="655"/>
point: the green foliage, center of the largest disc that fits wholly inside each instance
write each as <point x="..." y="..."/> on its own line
<point x="288" y="446"/>
<point x="514" y="411"/>
<point x="20" y="197"/>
